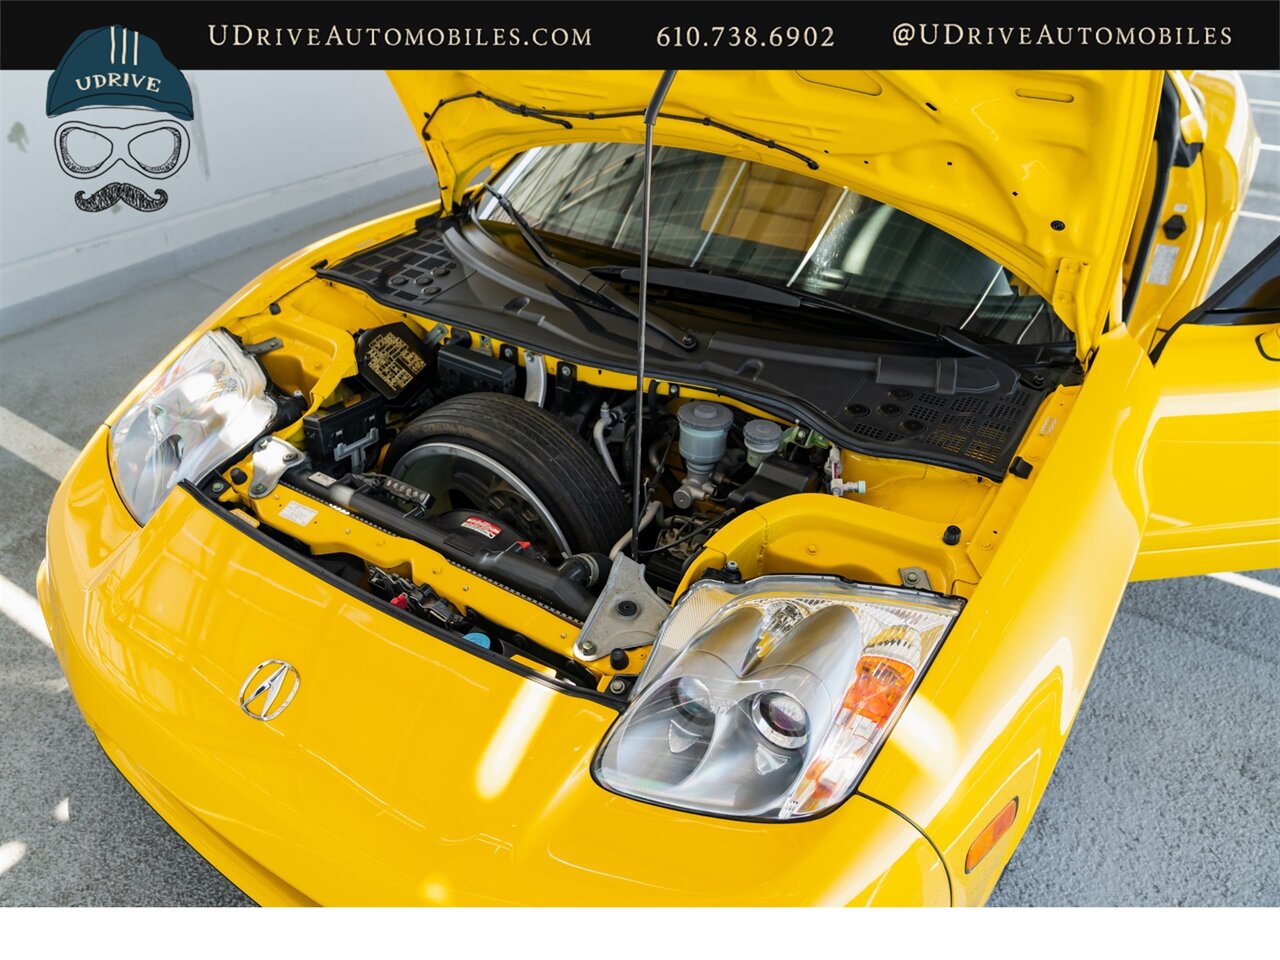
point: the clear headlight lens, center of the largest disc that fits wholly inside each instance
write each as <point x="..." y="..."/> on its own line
<point x="200" y="411"/>
<point x="767" y="699"/>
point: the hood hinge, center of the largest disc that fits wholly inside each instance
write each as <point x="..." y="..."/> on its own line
<point x="1068" y="293"/>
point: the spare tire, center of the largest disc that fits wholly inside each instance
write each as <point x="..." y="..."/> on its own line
<point x="507" y="458"/>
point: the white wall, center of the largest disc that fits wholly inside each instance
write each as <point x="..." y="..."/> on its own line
<point x="271" y="149"/>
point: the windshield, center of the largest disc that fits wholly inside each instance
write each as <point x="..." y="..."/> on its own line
<point x="735" y="217"/>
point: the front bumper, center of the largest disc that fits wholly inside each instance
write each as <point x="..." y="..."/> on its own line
<point x="406" y="771"/>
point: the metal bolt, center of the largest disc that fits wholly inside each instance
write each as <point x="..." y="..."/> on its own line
<point x="732" y="566"/>
<point x="627" y="609"/>
<point x="588" y="647"/>
<point x="217" y="486"/>
<point x="259" y="488"/>
<point x="264" y="443"/>
<point x="617" y="686"/>
<point x="912" y="576"/>
<point x="291" y="456"/>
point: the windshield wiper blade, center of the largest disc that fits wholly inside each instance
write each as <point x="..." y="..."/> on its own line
<point x="756" y="291"/>
<point x="581" y="280"/>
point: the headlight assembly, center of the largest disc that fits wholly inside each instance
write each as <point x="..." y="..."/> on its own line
<point x="767" y="699"/>
<point x="204" y="408"/>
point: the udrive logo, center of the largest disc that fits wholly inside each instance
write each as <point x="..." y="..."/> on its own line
<point x="115" y="76"/>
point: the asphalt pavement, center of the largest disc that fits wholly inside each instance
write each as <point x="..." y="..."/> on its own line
<point x="1168" y="793"/>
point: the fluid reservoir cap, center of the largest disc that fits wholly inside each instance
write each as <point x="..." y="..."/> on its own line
<point x="479" y="639"/>
<point x="762" y="437"/>
<point x="705" y="416"/>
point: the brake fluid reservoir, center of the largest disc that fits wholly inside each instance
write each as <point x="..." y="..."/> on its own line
<point x="762" y="437"/>
<point x="704" y="434"/>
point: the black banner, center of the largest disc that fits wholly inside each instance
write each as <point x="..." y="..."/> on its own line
<point x="814" y="35"/>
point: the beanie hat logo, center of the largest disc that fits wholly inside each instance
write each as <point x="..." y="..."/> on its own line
<point x="117" y="67"/>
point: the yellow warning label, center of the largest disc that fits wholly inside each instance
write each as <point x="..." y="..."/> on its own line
<point x="394" y="361"/>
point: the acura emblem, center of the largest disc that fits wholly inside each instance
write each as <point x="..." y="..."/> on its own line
<point x="269" y="689"/>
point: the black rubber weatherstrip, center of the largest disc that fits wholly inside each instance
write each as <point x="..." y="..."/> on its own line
<point x="1168" y="133"/>
<point x="558" y="117"/>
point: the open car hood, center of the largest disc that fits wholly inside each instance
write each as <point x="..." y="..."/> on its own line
<point x="1041" y="171"/>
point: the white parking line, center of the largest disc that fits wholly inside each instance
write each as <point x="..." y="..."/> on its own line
<point x="1257" y="586"/>
<point x="23" y="609"/>
<point x="42" y="450"/>
<point x="10" y="853"/>
<point x="1260" y="216"/>
<point x="1264" y="103"/>
<point x="1273" y="147"/>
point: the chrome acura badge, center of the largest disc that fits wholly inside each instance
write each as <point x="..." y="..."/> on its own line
<point x="269" y="689"/>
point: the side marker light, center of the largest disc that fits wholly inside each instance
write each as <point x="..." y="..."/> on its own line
<point x="993" y="831"/>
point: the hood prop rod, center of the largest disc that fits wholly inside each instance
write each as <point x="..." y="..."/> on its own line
<point x="650" y="118"/>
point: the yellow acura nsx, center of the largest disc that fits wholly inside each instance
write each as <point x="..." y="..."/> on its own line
<point x="735" y="520"/>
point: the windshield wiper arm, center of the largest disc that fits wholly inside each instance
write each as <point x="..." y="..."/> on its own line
<point x="581" y="280"/>
<point x="951" y="336"/>
<point x="755" y="291"/>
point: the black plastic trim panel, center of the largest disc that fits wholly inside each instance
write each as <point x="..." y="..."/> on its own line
<point x="407" y="273"/>
<point x="961" y="412"/>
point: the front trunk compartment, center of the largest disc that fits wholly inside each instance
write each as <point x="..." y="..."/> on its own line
<point x="479" y="487"/>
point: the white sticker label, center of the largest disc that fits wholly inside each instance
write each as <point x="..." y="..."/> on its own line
<point x="482" y="527"/>
<point x="1163" y="258"/>
<point x="295" y="512"/>
<point x="323" y="479"/>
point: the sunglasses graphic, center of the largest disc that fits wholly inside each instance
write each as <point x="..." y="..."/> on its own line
<point x="156" y="149"/>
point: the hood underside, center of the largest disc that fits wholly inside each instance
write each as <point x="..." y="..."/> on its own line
<point x="1041" y="171"/>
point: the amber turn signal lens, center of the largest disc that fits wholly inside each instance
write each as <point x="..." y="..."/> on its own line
<point x="881" y="683"/>
<point x="994" y="830"/>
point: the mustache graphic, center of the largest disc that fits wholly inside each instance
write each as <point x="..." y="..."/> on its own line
<point x="109" y="195"/>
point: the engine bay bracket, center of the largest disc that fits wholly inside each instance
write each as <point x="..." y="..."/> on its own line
<point x="627" y="615"/>
<point x="272" y="458"/>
